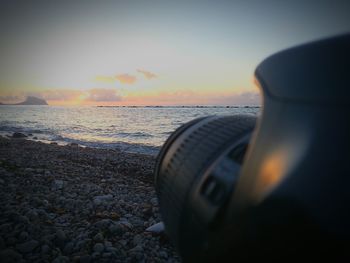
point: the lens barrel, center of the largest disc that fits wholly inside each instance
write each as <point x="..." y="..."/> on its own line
<point x="195" y="174"/>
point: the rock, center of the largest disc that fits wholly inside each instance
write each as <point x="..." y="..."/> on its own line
<point x="2" y="181"/>
<point x="137" y="240"/>
<point x="73" y="144"/>
<point x="29" y="170"/>
<point x="45" y="249"/>
<point x="11" y="241"/>
<point x="116" y="229"/>
<point x="98" y="247"/>
<point x="60" y="238"/>
<point x="32" y="215"/>
<point x="23" y="236"/>
<point x="57" y="185"/>
<point x="5" y="228"/>
<point x="98" y="237"/>
<point x="95" y="255"/>
<point x="9" y="255"/>
<point x="137" y="248"/>
<point x="35" y="138"/>
<point x="112" y="250"/>
<point x="85" y="259"/>
<point x="163" y="254"/>
<point x="28" y="246"/>
<point x="82" y="244"/>
<point x="2" y="243"/>
<point x="156" y="228"/>
<point x="68" y="248"/>
<point x="61" y="235"/>
<point x="19" y="135"/>
<point x="108" y="244"/>
<point x="106" y="255"/>
<point x="147" y="211"/>
<point x="61" y="259"/>
<point x="103" y="224"/>
<point x="154" y="201"/>
<point x="126" y="223"/>
<point x="102" y="199"/>
<point x="22" y="219"/>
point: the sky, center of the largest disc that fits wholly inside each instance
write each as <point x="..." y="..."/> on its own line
<point x="151" y="52"/>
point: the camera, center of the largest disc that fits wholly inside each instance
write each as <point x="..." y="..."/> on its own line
<point x="273" y="187"/>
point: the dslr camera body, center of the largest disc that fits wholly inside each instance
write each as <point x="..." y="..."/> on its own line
<point x="275" y="187"/>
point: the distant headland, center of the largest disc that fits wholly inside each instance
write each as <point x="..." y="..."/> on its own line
<point x="30" y="100"/>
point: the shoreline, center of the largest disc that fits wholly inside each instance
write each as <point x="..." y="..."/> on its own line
<point x="41" y="137"/>
<point x="78" y="204"/>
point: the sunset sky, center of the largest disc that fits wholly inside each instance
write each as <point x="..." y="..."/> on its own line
<point x="151" y="52"/>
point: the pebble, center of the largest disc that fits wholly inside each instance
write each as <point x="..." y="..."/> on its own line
<point x="60" y="235"/>
<point x="68" y="248"/>
<point x="28" y="246"/>
<point x="102" y="199"/>
<point x="116" y="229"/>
<point x="45" y="249"/>
<point x="2" y="243"/>
<point x="137" y="248"/>
<point x="85" y="259"/>
<point x="77" y="204"/>
<point x="57" y="185"/>
<point x="61" y="259"/>
<point x="32" y="215"/>
<point x="137" y="240"/>
<point x="9" y="255"/>
<point x="18" y="135"/>
<point x="154" y="201"/>
<point x="98" y="247"/>
<point x="156" y="228"/>
<point x="23" y="236"/>
<point x="99" y="237"/>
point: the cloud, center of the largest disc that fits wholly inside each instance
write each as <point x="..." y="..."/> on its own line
<point x="126" y="78"/>
<point x="147" y="74"/>
<point x="99" y="95"/>
<point x="105" y="79"/>
<point x="57" y="95"/>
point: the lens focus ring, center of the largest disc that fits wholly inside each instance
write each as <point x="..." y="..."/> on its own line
<point x="185" y="157"/>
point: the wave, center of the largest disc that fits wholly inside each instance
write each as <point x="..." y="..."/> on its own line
<point x="47" y="136"/>
<point x="134" y="134"/>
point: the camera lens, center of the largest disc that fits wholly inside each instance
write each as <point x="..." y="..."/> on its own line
<point x="195" y="175"/>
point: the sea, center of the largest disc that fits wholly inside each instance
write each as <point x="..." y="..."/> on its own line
<point x="131" y="129"/>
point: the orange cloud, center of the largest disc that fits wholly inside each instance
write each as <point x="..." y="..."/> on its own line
<point x="147" y="74"/>
<point x="105" y="79"/>
<point x="126" y="78"/>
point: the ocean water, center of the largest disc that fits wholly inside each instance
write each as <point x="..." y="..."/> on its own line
<point x="132" y="129"/>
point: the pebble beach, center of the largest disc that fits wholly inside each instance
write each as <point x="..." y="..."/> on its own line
<point x="78" y="204"/>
